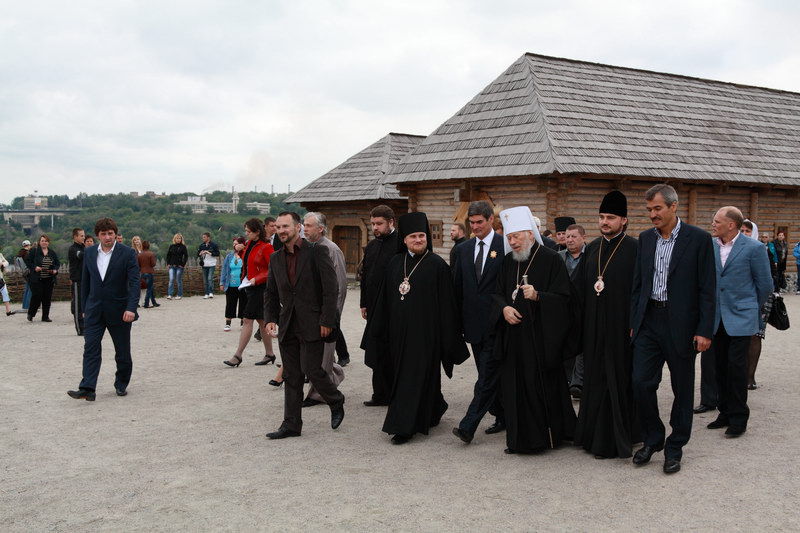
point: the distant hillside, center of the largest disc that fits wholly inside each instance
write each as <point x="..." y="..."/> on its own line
<point x="153" y="219"/>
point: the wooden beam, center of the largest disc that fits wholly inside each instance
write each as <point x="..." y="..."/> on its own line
<point x="692" y="205"/>
<point x="753" y="215"/>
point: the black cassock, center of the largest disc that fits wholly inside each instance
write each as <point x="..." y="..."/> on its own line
<point x="423" y="333"/>
<point x="607" y="425"/>
<point x="539" y="412"/>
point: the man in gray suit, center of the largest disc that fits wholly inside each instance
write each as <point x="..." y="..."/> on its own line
<point x="315" y="226"/>
<point x="744" y="282"/>
<point x="301" y="298"/>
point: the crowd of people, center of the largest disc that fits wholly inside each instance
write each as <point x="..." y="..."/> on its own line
<point x="548" y="321"/>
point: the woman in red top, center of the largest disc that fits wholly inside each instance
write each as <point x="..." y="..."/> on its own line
<point x="254" y="280"/>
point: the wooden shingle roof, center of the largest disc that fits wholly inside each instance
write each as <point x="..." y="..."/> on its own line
<point x="545" y="115"/>
<point x="361" y="176"/>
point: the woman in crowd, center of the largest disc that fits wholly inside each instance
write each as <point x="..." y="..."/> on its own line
<point x="177" y="255"/>
<point x="3" y="288"/>
<point x="229" y="280"/>
<point x="89" y="241"/>
<point x="255" y="265"/>
<point x="147" y="263"/>
<point x="781" y="250"/>
<point x="43" y="265"/>
<point x="136" y="244"/>
<point x="19" y="263"/>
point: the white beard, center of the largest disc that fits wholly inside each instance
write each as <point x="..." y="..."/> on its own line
<point x="523" y="255"/>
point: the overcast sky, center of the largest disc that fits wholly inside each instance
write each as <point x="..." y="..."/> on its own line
<point x="177" y="96"/>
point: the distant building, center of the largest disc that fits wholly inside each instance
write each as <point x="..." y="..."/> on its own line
<point x="34" y="202"/>
<point x="199" y="204"/>
<point x="134" y="194"/>
<point x="262" y="207"/>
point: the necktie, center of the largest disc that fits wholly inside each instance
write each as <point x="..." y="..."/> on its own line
<point x="479" y="261"/>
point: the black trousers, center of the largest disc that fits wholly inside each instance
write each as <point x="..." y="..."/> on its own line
<point x="92" y="353"/>
<point x="731" y="359"/>
<point x="652" y="348"/>
<point x="235" y="298"/>
<point x="341" y="345"/>
<point x="301" y="358"/>
<point x="75" y="306"/>
<point x="708" y="378"/>
<point x="41" y="295"/>
<point x="486" y="395"/>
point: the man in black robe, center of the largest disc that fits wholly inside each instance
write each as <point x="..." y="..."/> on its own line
<point x="373" y="269"/>
<point x="533" y="297"/>
<point x="607" y="426"/>
<point x="415" y="315"/>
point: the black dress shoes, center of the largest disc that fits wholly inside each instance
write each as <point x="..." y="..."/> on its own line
<point x="310" y="402"/>
<point x="81" y="394"/>
<point x="282" y="433"/>
<point x="122" y="392"/>
<point x="268" y="358"/>
<point x="702" y="408"/>
<point x="257" y="336"/>
<point x="46" y="319"/>
<point x="509" y="451"/>
<point x="720" y="422"/>
<point x="497" y="427"/>
<point x="343" y="361"/>
<point x="374" y="403"/>
<point x="735" y="431"/>
<point x="752" y="386"/>
<point x="643" y="454"/>
<point x="275" y="383"/>
<point x="401" y="439"/>
<point x="463" y="435"/>
<point x="337" y="415"/>
<point x="671" y="466"/>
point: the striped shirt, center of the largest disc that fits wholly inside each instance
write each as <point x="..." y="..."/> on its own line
<point x="661" y="263"/>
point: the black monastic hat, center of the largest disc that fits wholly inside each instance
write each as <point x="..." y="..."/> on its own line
<point x="413" y="223"/>
<point x="615" y="203"/>
<point x="562" y="223"/>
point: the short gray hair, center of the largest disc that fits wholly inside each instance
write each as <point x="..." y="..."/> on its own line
<point x="667" y="192"/>
<point x="481" y="208"/>
<point x="322" y="222"/>
<point x="735" y="214"/>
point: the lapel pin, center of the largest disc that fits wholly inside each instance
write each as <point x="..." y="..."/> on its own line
<point x="493" y="254"/>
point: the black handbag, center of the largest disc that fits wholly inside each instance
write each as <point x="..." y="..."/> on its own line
<point x="778" y="317"/>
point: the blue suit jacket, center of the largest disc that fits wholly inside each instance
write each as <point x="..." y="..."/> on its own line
<point x="743" y="285"/>
<point x="474" y="295"/>
<point x="691" y="286"/>
<point x="106" y="300"/>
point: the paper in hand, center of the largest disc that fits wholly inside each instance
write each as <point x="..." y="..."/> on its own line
<point x="245" y="283"/>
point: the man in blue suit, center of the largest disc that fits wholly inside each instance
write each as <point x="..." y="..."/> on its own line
<point x="672" y="318"/>
<point x="744" y="282"/>
<point x="110" y="294"/>
<point x="477" y="264"/>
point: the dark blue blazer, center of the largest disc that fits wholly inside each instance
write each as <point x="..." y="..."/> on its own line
<point x="691" y="286"/>
<point x="106" y="300"/>
<point x="475" y="295"/>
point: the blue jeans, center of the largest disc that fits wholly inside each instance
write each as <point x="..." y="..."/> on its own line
<point x="26" y="297"/>
<point x="148" y="295"/>
<point x="208" y="278"/>
<point x="176" y="275"/>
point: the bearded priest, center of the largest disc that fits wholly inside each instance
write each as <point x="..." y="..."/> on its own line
<point x="532" y="304"/>
<point x="416" y="316"/>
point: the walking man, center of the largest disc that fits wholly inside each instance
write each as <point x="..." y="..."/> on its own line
<point x="301" y="298"/>
<point x="477" y="263"/>
<point x="75" y="255"/>
<point x="672" y="318"/>
<point x="109" y="295"/>
<point x="744" y="282"/>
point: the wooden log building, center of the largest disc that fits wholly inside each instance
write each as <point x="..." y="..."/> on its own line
<point x="347" y="194"/>
<point x="557" y="134"/>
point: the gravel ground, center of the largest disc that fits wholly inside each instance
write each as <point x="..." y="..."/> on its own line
<point x="186" y="451"/>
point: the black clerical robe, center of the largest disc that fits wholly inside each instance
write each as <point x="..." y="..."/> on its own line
<point x="423" y="332"/>
<point x="607" y="425"/>
<point x="539" y="412"/>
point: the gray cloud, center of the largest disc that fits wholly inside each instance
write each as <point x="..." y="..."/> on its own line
<point x="114" y="96"/>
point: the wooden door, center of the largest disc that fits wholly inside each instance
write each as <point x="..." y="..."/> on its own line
<point x="348" y="238"/>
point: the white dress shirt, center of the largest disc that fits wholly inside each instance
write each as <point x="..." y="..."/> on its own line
<point x="487" y="244"/>
<point x="103" y="259"/>
<point x="725" y="249"/>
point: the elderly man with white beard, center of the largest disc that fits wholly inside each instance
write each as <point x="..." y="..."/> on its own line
<point x="532" y="309"/>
